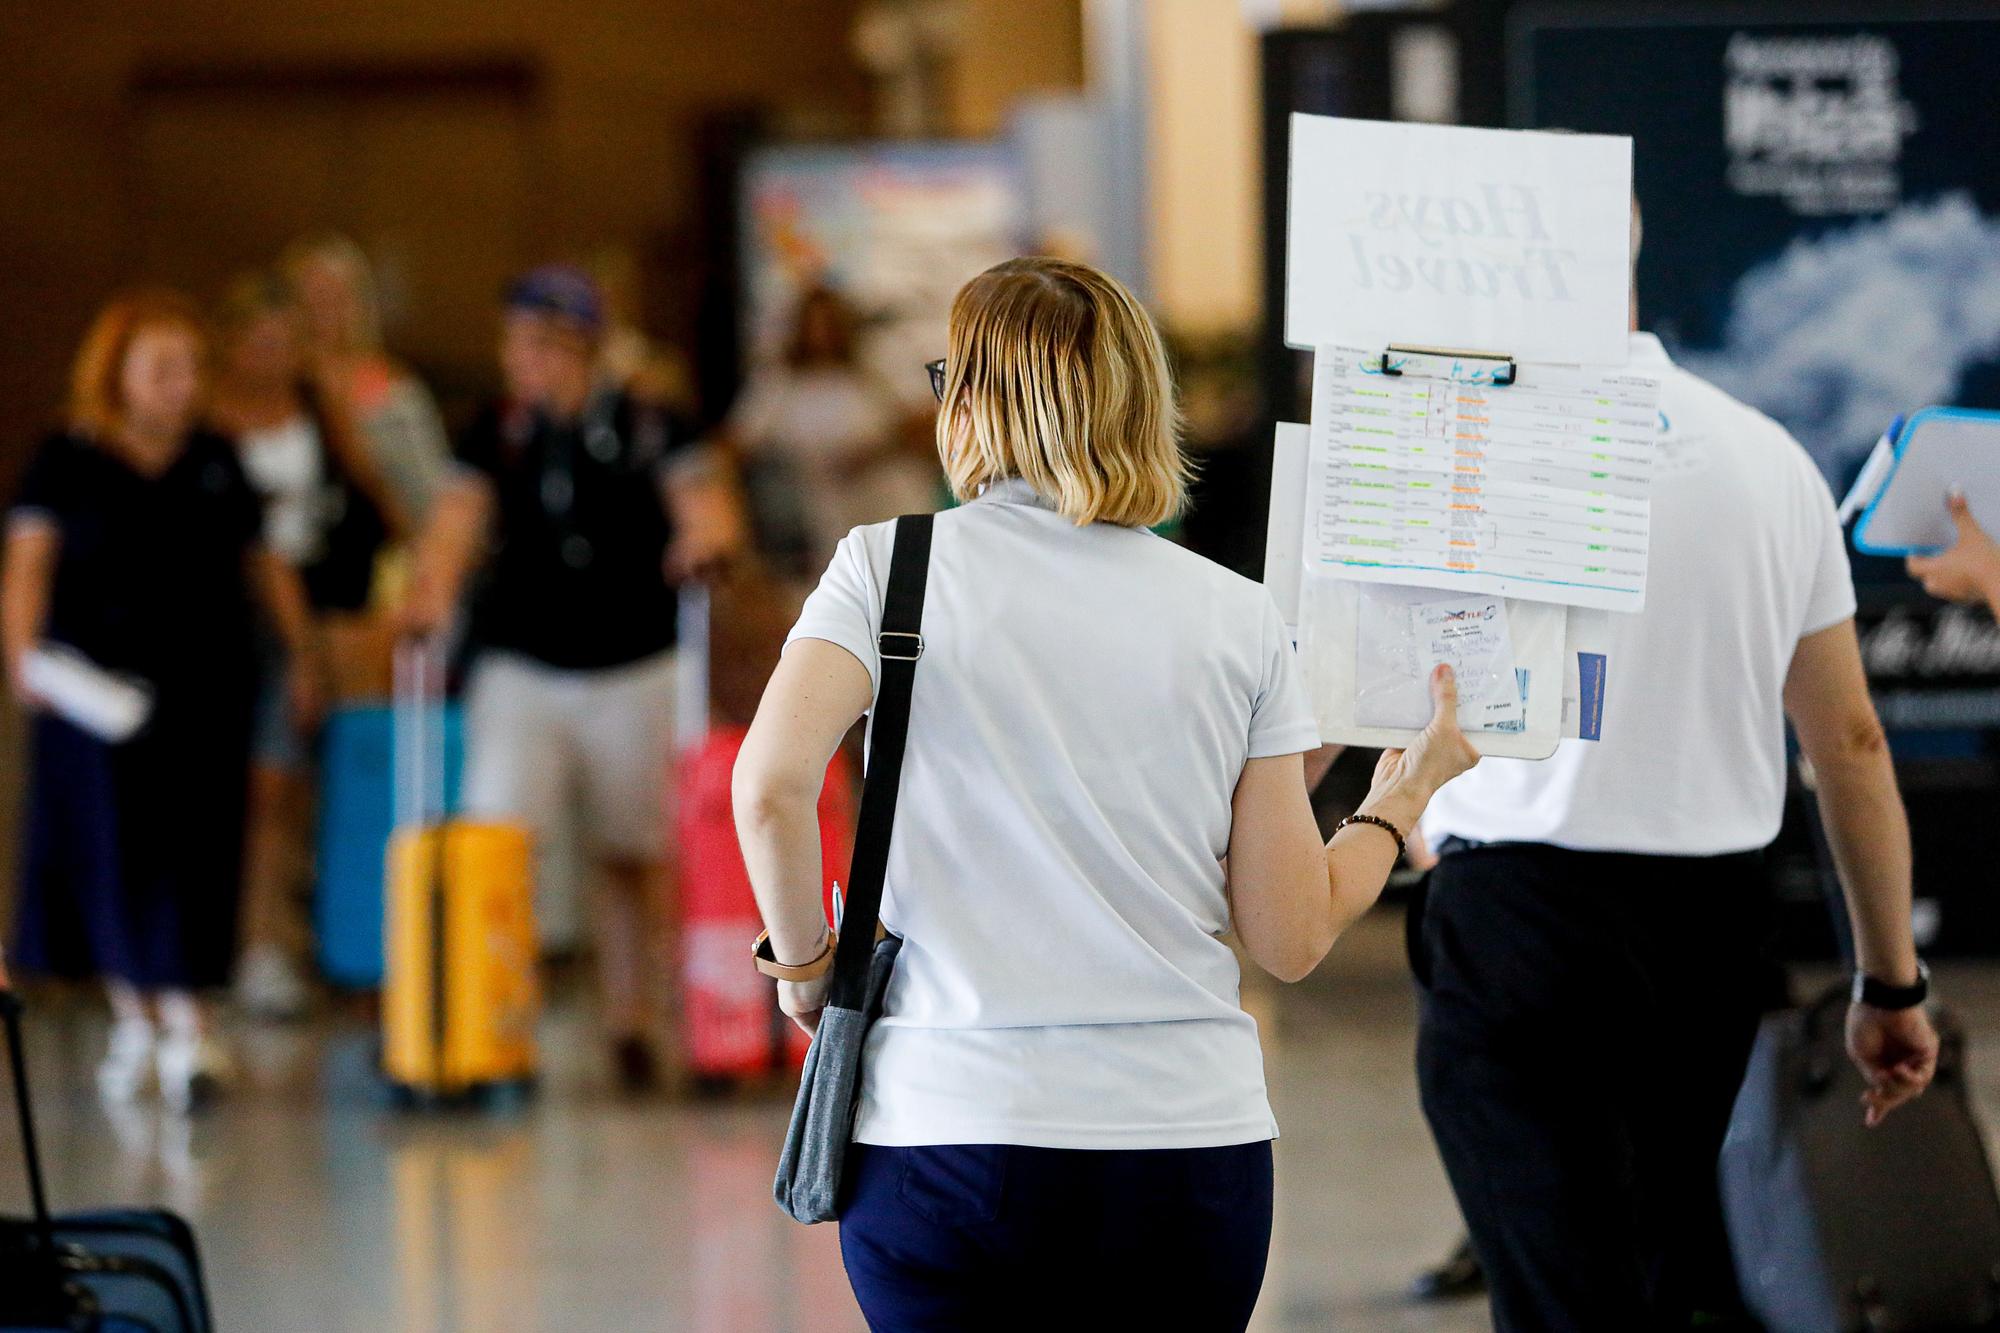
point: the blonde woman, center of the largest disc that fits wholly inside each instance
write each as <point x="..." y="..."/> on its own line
<point x="394" y="411"/>
<point x="1063" y="1116"/>
<point x="327" y="514"/>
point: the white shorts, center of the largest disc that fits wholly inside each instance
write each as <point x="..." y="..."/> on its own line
<point x="577" y="756"/>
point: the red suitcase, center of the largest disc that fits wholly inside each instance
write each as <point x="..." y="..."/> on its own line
<point x="734" y="1028"/>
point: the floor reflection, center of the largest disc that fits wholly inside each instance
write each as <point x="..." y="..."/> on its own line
<point x="322" y="1208"/>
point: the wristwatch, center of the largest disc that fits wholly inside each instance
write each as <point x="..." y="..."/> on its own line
<point x="767" y="962"/>
<point x="1881" y="995"/>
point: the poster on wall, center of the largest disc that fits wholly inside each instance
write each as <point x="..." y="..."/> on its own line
<point x="1820" y="187"/>
<point x="895" y="228"/>
<point x="1821" y="196"/>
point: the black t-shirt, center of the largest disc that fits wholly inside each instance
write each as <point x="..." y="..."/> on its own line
<point x="150" y="576"/>
<point x="578" y="576"/>
<point x="353" y="531"/>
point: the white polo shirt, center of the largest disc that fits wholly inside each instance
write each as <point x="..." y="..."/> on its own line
<point x="1747" y="559"/>
<point x="1085" y="704"/>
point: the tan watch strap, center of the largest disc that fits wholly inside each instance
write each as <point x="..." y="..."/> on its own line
<point x="768" y="964"/>
<point x="818" y="967"/>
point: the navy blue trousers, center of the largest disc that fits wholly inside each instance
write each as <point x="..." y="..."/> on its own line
<point x="1586" y="1021"/>
<point x="987" y="1236"/>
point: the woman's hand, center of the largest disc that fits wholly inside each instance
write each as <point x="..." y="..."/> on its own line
<point x="305" y="693"/>
<point x="428" y="603"/>
<point x="1406" y="779"/>
<point x="17" y="680"/>
<point x="802" y="1002"/>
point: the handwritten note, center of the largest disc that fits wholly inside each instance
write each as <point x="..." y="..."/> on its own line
<point x="1403" y="634"/>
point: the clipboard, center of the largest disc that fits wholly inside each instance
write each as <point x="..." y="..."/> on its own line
<point x="1937" y="448"/>
<point x="1493" y="369"/>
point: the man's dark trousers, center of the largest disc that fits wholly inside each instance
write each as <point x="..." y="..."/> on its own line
<point x="1586" y="1021"/>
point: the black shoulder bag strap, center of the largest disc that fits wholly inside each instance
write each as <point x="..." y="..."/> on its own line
<point x="899" y="645"/>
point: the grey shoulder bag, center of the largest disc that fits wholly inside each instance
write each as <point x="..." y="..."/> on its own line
<point x="822" y="1127"/>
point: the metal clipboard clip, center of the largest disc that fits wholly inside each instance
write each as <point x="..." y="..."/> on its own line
<point x="1495" y="369"/>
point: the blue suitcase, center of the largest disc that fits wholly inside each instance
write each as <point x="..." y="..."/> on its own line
<point x="125" y="1271"/>
<point x="357" y="815"/>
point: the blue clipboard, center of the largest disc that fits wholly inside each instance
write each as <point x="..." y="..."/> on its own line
<point x="1912" y="520"/>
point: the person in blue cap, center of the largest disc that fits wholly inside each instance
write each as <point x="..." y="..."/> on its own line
<point x="584" y="509"/>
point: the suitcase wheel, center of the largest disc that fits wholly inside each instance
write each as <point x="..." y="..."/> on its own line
<point x="498" y="1097"/>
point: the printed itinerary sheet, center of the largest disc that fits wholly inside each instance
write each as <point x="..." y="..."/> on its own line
<point x="1440" y="478"/>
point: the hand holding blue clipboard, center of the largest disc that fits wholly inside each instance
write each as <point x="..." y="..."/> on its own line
<point x="1940" y="449"/>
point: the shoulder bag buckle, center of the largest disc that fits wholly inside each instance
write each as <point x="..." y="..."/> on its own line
<point x="913" y="644"/>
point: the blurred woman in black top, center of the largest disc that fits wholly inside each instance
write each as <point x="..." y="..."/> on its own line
<point x="136" y="543"/>
<point x="327" y="514"/>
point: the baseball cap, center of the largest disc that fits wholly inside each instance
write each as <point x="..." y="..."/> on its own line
<point x="562" y="290"/>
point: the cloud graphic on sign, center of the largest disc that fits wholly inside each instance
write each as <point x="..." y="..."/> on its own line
<point x="1841" y="332"/>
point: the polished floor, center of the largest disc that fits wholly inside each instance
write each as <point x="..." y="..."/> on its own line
<point x="323" y="1210"/>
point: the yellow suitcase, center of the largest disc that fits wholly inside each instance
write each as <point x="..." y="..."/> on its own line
<point x="460" y="989"/>
<point x="460" y="993"/>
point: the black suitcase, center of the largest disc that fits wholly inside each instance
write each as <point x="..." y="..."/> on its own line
<point x="126" y="1271"/>
<point x="1838" y="1228"/>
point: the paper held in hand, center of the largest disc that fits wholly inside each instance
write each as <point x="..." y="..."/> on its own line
<point x="1354" y="685"/>
<point x="1405" y="632"/>
<point x="1457" y="505"/>
<point x="108" y="705"/>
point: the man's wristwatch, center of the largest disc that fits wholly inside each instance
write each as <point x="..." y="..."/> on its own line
<point x="1881" y="995"/>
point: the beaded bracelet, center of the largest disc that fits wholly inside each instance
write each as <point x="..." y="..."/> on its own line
<point x="1378" y="822"/>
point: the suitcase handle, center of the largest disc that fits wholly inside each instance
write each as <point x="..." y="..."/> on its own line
<point x="691" y="618"/>
<point x="417" y="750"/>
<point x="17" y="1060"/>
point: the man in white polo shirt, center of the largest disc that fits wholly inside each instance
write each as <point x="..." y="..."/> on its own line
<point x="1591" y="944"/>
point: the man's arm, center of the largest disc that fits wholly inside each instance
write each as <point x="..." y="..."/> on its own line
<point x="1826" y="695"/>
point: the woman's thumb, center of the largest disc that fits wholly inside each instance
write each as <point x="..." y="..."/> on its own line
<point x="1444" y="694"/>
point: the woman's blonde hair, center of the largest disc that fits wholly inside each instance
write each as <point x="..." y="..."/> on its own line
<point x="1055" y="374"/>
<point x="251" y="296"/>
<point x="340" y="255"/>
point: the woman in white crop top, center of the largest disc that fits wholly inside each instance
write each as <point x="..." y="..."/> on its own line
<point x="1104" y="775"/>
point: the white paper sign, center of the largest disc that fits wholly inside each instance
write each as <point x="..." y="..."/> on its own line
<point x="1513" y="241"/>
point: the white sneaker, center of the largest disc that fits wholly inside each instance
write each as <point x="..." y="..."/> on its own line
<point x="128" y="1062"/>
<point x="193" y="1071"/>
<point x="268" y="985"/>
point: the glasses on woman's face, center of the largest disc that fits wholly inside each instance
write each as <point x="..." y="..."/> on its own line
<point x="936" y="369"/>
